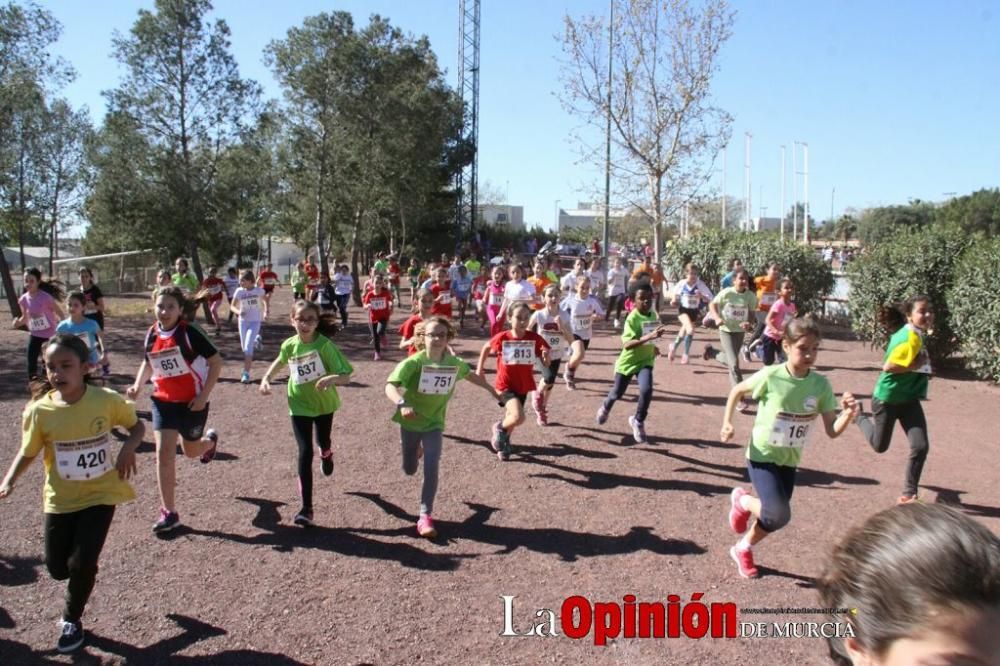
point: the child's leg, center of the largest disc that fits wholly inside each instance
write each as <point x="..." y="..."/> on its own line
<point x="617" y="390"/>
<point x="410" y="443"/>
<point x="302" y="428"/>
<point x="911" y="416"/>
<point x="373" y="326"/>
<point x="685" y="328"/>
<point x="774" y="485"/>
<point x="267" y="304"/>
<point x="35" y="345"/>
<point x="770" y="349"/>
<point x="619" y="305"/>
<point x="645" y="394"/>
<point x="730" y="356"/>
<point x="432" y="460"/>
<point x="577" y="354"/>
<point x="166" y="474"/>
<point x="73" y="544"/>
<point x="496" y="324"/>
<point x="342" y="300"/>
<point x="877" y="428"/>
<point x="213" y="307"/>
<point x="513" y="415"/>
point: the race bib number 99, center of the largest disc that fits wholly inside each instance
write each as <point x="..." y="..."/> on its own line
<point x="306" y="368"/>
<point x="518" y="352"/>
<point x="168" y="363"/>
<point x="437" y="379"/>
<point x="790" y="430"/>
<point x="555" y="342"/>
<point x="83" y="460"/>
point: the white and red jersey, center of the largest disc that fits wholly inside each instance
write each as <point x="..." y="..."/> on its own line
<point x="178" y="358"/>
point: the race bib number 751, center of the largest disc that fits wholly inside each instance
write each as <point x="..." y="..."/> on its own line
<point x="437" y="379"/>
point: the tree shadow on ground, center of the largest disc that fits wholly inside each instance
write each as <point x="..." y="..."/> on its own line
<point x="954" y="498"/>
<point x="554" y="450"/>
<point x="15" y="571"/>
<point x="566" y="544"/>
<point x="594" y="480"/>
<point x="688" y="399"/>
<point x="6" y="621"/>
<point x="286" y="537"/>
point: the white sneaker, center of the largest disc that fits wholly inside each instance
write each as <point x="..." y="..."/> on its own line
<point x="618" y="324"/>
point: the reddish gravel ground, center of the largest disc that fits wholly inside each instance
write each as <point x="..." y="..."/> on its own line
<point x="579" y="510"/>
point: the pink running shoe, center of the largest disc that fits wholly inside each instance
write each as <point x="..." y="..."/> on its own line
<point x="685" y="359"/>
<point x="744" y="562"/>
<point x="542" y="417"/>
<point x="425" y="527"/>
<point x="377" y="357"/>
<point x="738" y="516"/>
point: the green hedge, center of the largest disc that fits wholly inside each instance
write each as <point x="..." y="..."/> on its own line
<point x="713" y="249"/>
<point x="914" y="262"/>
<point x="975" y="307"/>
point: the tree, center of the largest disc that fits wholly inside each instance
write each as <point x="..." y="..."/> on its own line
<point x="885" y="222"/>
<point x="976" y="212"/>
<point x="184" y="97"/>
<point x="664" y="129"/>
<point x="845" y="228"/>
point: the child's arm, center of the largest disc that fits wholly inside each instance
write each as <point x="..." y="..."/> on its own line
<point x="392" y="392"/>
<point x="214" y="370"/>
<point x="17" y="468"/>
<point x="125" y="464"/>
<point x="484" y="352"/>
<point x="265" y="381"/>
<point x="481" y="382"/>
<point x="646" y="339"/>
<point x="59" y="311"/>
<point x="713" y="309"/>
<point x="141" y="377"/>
<point x="100" y="344"/>
<point x="737" y="393"/>
<point x="836" y="425"/>
<point x="325" y="382"/>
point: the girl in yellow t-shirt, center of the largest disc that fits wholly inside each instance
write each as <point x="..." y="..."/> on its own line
<point x="69" y="422"/>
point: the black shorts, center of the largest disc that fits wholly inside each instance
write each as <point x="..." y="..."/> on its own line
<point x="96" y="316"/>
<point x="505" y="397"/>
<point x="178" y="416"/>
<point x="268" y="290"/>
<point x="299" y="295"/>
<point x="586" y="343"/>
<point x="551" y="371"/>
<point x="690" y="312"/>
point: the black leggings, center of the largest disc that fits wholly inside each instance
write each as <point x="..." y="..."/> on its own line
<point x="378" y="330"/>
<point x="302" y="426"/>
<point x="616" y="303"/>
<point x="774" y="485"/>
<point x="342" y="301"/>
<point x="645" y="376"/>
<point x="73" y="543"/>
<point x="35" y="345"/>
<point x="911" y="417"/>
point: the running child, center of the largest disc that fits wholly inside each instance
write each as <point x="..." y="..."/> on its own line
<point x="782" y="312"/>
<point x="766" y="287"/>
<point x="642" y="328"/>
<point x="790" y="396"/>
<point x="420" y="387"/>
<point x="325" y="295"/>
<point x="94" y="309"/>
<point x="315" y="367"/>
<point x="442" y="293"/>
<point x="734" y="308"/>
<point x="408" y="331"/>
<point x="598" y="278"/>
<point x="247" y="304"/>
<point x="163" y="280"/>
<point x="692" y="293"/>
<point x="479" y="295"/>
<point x="184" y="367"/>
<point x="268" y="280"/>
<point x="183" y="278"/>
<point x="343" y="288"/>
<point x="215" y="286"/>
<point x="494" y="299"/>
<point x="69" y="423"/>
<point x="554" y="326"/>
<point x="617" y="283"/>
<point x="232" y="281"/>
<point x="906" y="371"/>
<point x="517" y="290"/>
<point x="539" y="280"/>
<point x="378" y="302"/>
<point x="583" y="309"/>
<point x="516" y="351"/>
<point x="299" y="281"/>
<point x="40" y="312"/>
<point x="88" y="330"/>
<point x="567" y="284"/>
<point x="462" y="287"/>
<point x="394" y="274"/>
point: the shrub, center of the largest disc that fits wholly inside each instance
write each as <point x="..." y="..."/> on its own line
<point x="713" y="249"/>
<point x="975" y="308"/>
<point x="912" y="262"/>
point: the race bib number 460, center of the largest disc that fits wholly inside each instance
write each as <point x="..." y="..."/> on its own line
<point x="168" y="363"/>
<point x="83" y="460"/>
<point x="518" y="352"/>
<point x="306" y="368"/>
<point x="690" y="301"/>
<point x="437" y="379"/>
<point x="790" y="430"/>
<point x="735" y="312"/>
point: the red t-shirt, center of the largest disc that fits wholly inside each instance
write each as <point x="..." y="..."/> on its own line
<point x="394" y="272"/>
<point x="442" y="307"/>
<point x="407" y="329"/>
<point x="176" y="378"/>
<point x="216" y="287"/>
<point x="268" y="280"/>
<point x="381" y="304"/>
<point x="479" y="287"/>
<point x="513" y="376"/>
<point x="312" y="274"/>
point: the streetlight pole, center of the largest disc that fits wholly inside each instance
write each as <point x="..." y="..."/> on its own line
<point x="607" y="148"/>
<point x="556" y="228"/>
<point x="805" y="192"/>
<point x="746" y="185"/>
<point x="781" y="211"/>
<point x="795" y="191"/>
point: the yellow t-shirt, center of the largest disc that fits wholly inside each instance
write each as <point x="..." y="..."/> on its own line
<point x="79" y="451"/>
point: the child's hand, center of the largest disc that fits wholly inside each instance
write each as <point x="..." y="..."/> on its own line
<point x="6" y="489"/>
<point x="131" y="392"/>
<point x="198" y="404"/>
<point x="726" y="433"/>
<point x="125" y="463"/>
<point x="407" y="412"/>
<point x="849" y="403"/>
<point x="265" y="386"/>
<point x="323" y="383"/>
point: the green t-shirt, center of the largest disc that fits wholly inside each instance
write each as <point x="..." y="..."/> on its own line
<point x="381" y="267"/>
<point x="631" y="361"/>
<point x="735" y="308"/>
<point x="307" y="362"/>
<point x="298" y="281"/>
<point x="428" y="387"/>
<point x="905" y="345"/>
<point x="187" y="281"/>
<point x="473" y="267"/>
<point x="786" y="412"/>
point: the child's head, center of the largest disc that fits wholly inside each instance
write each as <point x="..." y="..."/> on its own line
<point x="231" y="272"/>
<point x="434" y="333"/>
<point x="441" y="275"/>
<point x="579" y="265"/>
<point x="86" y="275"/>
<point x="691" y="271"/>
<point x="551" y="294"/>
<point x="741" y="279"/>
<point x="33" y="281"/>
<point x="344" y="269"/>
<point x="917" y="310"/>
<point x="76" y="303"/>
<point x="300" y="265"/>
<point x="247" y="280"/>
<point x="67" y="361"/>
<point x="786" y="288"/>
<point x="518" y="316"/>
<point x="641" y="294"/>
<point x="462" y="270"/>
<point x="181" y="264"/>
<point x="32" y="278"/>
<point x="212" y="271"/>
<point x="773" y="270"/>
<point x="171" y="305"/>
<point x="378" y="282"/>
<point x="307" y="318"/>
<point x="516" y="272"/>
<point x="497" y="274"/>
<point x="619" y="263"/>
<point x="163" y="278"/>
<point x="425" y="299"/>
<point x="538" y="269"/>
<point x="583" y="287"/>
<point x="801" y="342"/>
<point x="925" y="582"/>
<point x="268" y="266"/>
<point x="595" y="265"/>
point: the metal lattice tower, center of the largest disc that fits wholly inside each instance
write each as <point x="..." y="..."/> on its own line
<point x="468" y="87"/>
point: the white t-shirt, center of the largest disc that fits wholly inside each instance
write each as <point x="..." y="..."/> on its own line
<point x="617" y="281"/>
<point x="549" y="329"/>
<point x="581" y="313"/>
<point x="597" y="280"/>
<point x="691" y="296"/>
<point x="343" y="284"/>
<point x="250" y="303"/>
<point x="519" y="291"/>
<point x="568" y="282"/>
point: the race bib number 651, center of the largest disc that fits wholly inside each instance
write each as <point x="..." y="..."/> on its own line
<point x="168" y="363"/>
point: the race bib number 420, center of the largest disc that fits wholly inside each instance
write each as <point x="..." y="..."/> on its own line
<point x="518" y="352"/>
<point x="437" y="379"/>
<point x="790" y="430"/>
<point x="83" y="460"/>
<point x="306" y="368"/>
<point x="168" y="363"/>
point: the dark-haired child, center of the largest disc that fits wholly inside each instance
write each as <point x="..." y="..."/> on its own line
<point x="84" y="328"/>
<point x="94" y="309"/>
<point x="40" y="312"/>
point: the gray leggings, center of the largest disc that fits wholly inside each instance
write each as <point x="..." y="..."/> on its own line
<point x="729" y="355"/>
<point x="911" y="416"/>
<point x="411" y="442"/>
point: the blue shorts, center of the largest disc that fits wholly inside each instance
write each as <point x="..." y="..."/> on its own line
<point x="178" y="416"/>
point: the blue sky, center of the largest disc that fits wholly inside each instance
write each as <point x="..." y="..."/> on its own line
<point x="897" y="100"/>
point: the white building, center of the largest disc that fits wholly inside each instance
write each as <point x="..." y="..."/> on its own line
<point x="501" y="215"/>
<point x="586" y="215"/>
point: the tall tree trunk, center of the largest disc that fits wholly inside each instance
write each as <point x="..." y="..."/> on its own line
<point x="8" y="285"/>
<point x="355" y="253"/>
<point x="402" y="226"/>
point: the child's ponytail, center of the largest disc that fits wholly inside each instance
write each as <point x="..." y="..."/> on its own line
<point x="50" y="286"/>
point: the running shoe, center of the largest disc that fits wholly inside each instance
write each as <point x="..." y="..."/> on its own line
<point x="505" y="448"/>
<point x="670" y="351"/>
<point x="907" y="499"/>
<point x="106" y="370"/>
<point x="209" y="453"/>
<point x="685" y="359"/>
<point x="245" y="378"/>
<point x="638" y="430"/>
<point x="377" y="357"/>
<point x="569" y="379"/>
<point x="304" y="518"/>
<point x="602" y="415"/>
<point x="746" y="354"/>
<point x="326" y="462"/>
<point x="168" y="521"/>
<point x="71" y="636"/>
<point x="497" y="432"/>
<point x="618" y="324"/>
<point x="710" y="353"/>
<point x="425" y="527"/>
<point x="738" y="516"/>
<point x="542" y="417"/>
<point x="744" y="562"/>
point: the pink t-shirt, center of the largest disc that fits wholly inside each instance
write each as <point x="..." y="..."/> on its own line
<point x="783" y="314"/>
<point x="41" y="313"/>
